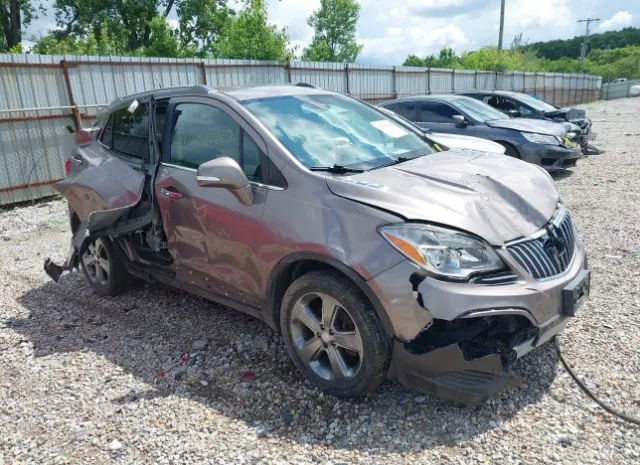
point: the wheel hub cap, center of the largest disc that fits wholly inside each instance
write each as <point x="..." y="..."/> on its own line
<point x="326" y="337"/>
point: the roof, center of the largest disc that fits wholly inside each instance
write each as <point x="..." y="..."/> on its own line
<point x="238" y="94"/>
<point x="494" y="92"/>
<point x="443" y="97"/>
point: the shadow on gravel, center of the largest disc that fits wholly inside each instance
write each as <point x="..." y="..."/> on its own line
<point x="238" y="367"/>
<point x="559" y="175"/>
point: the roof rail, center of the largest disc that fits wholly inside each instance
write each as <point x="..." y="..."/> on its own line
<point x="305" y="84"/>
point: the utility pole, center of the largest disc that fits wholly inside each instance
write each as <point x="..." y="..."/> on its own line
<point x="585" y="41"/>
<point x="501" y="25"/>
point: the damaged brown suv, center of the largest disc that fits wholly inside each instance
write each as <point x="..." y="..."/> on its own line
<point x="373" y="253"/>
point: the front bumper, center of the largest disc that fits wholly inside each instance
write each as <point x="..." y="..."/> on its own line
<point x="550" y="157"/>
<point x="415" y="303"/>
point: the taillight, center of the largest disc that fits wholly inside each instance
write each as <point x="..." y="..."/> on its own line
<point x="83" y="137"/>
<point x="67" y="167"/>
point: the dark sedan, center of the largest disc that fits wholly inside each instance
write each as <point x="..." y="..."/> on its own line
<point x="541" y="142"/>
<point x="517" y="104"/>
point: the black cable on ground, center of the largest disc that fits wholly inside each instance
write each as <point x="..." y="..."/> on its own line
<point x="585" y="389"/>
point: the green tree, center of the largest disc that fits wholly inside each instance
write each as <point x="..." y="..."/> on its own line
<point x="413" y="60"/>
<point x="133" y="21"/>
<point x="249" y="36"/>
<point x="202" y="22"/>
<point x="13" y="15"/>
<point x="334" y="38"/>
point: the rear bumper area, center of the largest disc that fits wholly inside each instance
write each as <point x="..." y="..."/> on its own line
<point x="465" y="337"/>
<point x="552" y="158"/>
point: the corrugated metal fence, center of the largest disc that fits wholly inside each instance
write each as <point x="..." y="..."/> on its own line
<point x="41" y="95"/>
<point x="613" y="90"/>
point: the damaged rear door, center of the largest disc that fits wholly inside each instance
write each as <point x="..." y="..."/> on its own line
<point x="108" y="174"/>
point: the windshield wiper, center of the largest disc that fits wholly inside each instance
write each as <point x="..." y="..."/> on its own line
<point x="336" y="169"/>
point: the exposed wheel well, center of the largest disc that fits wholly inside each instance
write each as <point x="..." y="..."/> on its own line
<point x="74" y="221"/>
<point x="510" y="149"/>
<point x="289" y="272"/>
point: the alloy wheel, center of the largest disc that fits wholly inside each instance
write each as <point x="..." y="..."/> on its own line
<point x="96" y="262"/>
<point x="326" y="337"/>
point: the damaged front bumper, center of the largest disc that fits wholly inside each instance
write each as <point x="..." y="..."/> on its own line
<point x="459" y="341"/>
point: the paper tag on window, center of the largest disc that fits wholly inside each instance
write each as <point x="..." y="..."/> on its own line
<point x="389" y="128"/>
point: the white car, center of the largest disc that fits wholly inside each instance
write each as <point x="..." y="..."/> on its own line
<point x="452" y="141"/>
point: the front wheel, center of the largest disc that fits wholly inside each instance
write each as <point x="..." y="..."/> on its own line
<point x="104" y="271"/>
<point x="333" y="334"/>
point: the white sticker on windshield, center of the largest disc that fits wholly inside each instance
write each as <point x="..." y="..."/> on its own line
<point x="389" y="128"/>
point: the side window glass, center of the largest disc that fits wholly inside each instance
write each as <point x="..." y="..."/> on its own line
<point x="405" y="109"/>
<point x="107" y="135"/>
<point x="131" y="132"/>
<point x="436" y="112"/>
<point x="252" y="158"/>
<point x="202" y="133"/>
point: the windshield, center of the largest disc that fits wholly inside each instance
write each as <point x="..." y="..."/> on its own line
<point x="330" y="129"/>
<point x="478" y="110"/>
<point x="535" y="103"/>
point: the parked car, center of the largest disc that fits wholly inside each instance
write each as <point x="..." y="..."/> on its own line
<point x="450" y="141"/>
<point x="540" y="142"/>
<point x="373" y="254"/>
<point x="518" y="105"/>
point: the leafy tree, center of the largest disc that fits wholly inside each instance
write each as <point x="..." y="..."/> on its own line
<point x="13" y="15"/>
<point x="413" y="60"/>
<point x="249" y="36"/>
<point x="202" y="22"/>
<point x="335" y="32"/>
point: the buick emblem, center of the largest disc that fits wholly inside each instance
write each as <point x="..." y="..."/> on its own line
<point x="555" y="246"/>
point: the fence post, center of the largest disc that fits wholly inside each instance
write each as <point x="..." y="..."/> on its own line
<point x="346" y="76"/>
<point x="453" y="81"/>
<point x="203" y="73"/>
<point x="394" y="87"/>
<point x="429" y="81"/>
<point x="495" y="81"/>
<point x="287" y="66"/>
<point x="535" y="83"/>
<point x="475" y="80"/>
<point x="72" y="100"/>
<point x="513" y="80"/>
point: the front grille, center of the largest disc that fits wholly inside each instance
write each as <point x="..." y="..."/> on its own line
<point x="551" y="251"/>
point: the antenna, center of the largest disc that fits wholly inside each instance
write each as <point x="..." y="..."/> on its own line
<point x="158" y="83"/>
<point x="585" y="41"/>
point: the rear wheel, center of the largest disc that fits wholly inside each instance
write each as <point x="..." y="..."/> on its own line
<point x="104" y="271"/>
<point x="333" y="334"/>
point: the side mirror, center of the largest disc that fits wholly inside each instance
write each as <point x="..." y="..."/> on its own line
<point x="226" y="173"/>
<point x="460" y="121"/>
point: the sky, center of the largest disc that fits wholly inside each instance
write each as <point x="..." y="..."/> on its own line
<point x="390" y="31"/>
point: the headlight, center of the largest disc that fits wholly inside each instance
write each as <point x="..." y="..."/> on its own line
<point x="541" y="138"/>
<point x="442" y="252"/>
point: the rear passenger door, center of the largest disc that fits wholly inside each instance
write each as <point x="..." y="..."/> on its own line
<point x="213" y="238"/>
<point x="438" y="116"/>
<point x="405" y="109"/>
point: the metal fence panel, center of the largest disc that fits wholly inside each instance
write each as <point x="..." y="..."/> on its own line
<point x="41" y="95"/>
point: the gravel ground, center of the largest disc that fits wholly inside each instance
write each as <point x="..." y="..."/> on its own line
<point x="159" y="376"/>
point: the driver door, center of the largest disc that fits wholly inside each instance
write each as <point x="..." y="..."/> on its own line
<point x="212" y="237"/>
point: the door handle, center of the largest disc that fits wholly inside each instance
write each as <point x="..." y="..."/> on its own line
<point x="77" y="160"/>
<point x="170" y="193"/>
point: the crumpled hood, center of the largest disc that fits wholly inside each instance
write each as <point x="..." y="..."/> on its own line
<point x="539" y="126"/>
<point x="493" y="196"/>
<point x="570" y="114"/>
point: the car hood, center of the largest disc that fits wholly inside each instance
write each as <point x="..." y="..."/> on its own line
<point x="457" y="141"/>
<point x="569" y="114"/>
<point x="492" y="196"/>
<point x="530" y="125"/>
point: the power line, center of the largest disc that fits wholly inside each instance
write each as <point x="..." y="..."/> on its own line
<point x="585" y="40"/>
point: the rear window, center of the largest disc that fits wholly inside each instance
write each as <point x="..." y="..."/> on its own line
<point x="128" y="132"/>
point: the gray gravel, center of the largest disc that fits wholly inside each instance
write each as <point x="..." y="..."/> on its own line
<point x="159" y="376"/>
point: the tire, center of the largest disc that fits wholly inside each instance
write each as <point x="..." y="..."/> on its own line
<point x="102" y="268"/>
<point x="347" y="355"/>
<point x="510" y="150"/>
